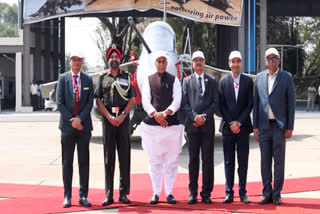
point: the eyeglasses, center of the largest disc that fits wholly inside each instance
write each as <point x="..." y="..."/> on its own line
<point x="76" y="60"/>
<point x="271" y="59"/>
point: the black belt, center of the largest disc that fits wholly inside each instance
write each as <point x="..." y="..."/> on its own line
<point x="272" y="121"/>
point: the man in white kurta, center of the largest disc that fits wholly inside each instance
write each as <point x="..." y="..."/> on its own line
<point x="161" y="132"/>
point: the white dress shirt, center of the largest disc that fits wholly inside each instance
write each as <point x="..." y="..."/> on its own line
<point x="319" y="90"/>
<point x="202" y="81"/>
<point x="236" y="84"/>
<point x="271" y="79"/>
<point x="176" y="96"/>
<point x="34" y="89"/>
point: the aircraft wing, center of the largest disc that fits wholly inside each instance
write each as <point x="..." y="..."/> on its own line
<point x="47" y="88"/>
<point x="129" y="66"/>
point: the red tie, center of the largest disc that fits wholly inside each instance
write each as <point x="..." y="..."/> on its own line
<point x="76" y="95"/>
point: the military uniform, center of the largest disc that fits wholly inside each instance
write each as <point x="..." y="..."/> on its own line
<point x="115" y="93"/>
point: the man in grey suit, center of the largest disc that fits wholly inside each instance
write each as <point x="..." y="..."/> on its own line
<point x="200" y="101"/>
<point x="273" y="119"/>
<point x="75" y="101"/>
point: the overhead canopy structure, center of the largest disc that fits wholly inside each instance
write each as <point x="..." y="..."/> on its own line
<point x="225" y="12"/>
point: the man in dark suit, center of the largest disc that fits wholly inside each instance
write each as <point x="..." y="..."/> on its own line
<point x="75" y="101"/>
<point x="200" y="100"/>
<point x="236" y="100"/>
<point x="273" y="119"/>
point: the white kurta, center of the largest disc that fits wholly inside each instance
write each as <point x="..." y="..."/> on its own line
<point x="163" y="145"/>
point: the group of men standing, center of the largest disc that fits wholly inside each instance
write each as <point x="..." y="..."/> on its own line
<point x="199" y="98"/>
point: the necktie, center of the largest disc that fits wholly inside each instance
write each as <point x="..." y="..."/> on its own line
<point x="200" y="85"/>
<point x="76" y="95"/>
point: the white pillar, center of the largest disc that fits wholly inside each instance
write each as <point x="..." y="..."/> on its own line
<point x="19" y="107"/>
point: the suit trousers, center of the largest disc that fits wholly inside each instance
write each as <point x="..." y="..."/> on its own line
<point x="231" y="144"/>
<point x="272" y="145"/>
<point x="116" y="138"/>
<point x="68" y="143"/>
<point x="205" y="142"/>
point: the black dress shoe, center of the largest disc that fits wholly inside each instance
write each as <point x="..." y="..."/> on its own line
<point x="228" y="199"/>
<point x="66" y="203"/>
<point x="206" y="200"/>
<point x="107" y="201"/>
<point x="154" y="199"/>
<point x="171" y="199"/>
<point x="83" y="201"/>
<point x="123" y="199"/>
<point x="278" y="201"/>
<point x="192" y="199"/>
<point x="265" y="200"/>
<point x="244" y="199"/>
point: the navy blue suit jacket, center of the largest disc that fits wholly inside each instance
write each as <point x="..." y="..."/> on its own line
<point x="65" y="102"/>
<point x="282" y="101"/>
<point x="236" y="110"/>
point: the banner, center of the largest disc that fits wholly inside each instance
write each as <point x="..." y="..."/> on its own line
<point x="225" y="12"/>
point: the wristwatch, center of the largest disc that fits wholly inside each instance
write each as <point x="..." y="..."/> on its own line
<point x="124" y="113"/>
<point x="164" y="114"/>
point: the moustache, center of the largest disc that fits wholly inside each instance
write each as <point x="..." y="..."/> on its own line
<point x="114" y="63"/>
<point x="272" y="64"/>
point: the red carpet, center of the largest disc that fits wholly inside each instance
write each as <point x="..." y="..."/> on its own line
<point x="48" y="199"/>
<point x="289" y="206"/>
<point x="160" y="210"/>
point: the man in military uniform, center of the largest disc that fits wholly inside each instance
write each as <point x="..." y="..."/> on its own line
<point x="115" y="97"/>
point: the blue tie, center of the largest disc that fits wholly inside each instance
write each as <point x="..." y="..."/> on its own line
<point x="200" y="85"/>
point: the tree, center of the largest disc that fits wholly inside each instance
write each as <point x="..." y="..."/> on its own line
<point x="117" y="30"/>
<point x="8" y="20"/>
<point x="310" y="31"/>
<point x="284" y="30"/>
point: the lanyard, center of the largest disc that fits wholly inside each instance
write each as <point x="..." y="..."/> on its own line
<point x="237" y="84"/>
<point x="76" y="85"/>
